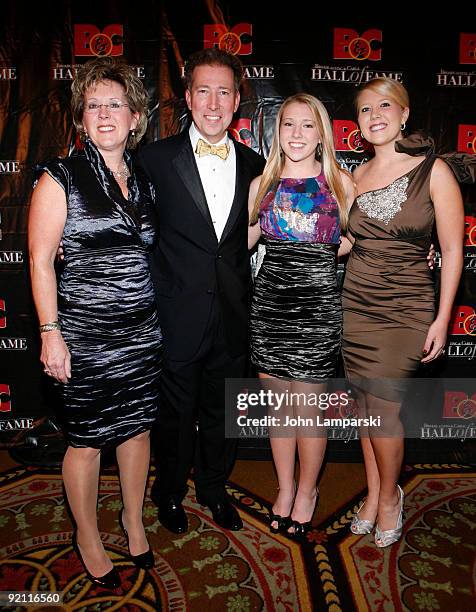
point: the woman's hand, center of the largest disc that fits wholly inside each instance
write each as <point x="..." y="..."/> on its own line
<point x="345" y="247"/>
<point x="48" y="210"/>
<point x="254" y="231"/>
<point x="431" y="257"/>
<point x="55" y="355"/>
<point x="435" y="340"/>
<point x="254" y="234"/>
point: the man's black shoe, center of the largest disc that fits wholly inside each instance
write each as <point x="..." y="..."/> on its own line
<point x="172" y="515"/>
<point x="225" y="515"/>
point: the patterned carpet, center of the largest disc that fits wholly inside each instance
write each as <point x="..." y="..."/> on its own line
<point x="431" y="568"/>
<point x="206" y="568"/>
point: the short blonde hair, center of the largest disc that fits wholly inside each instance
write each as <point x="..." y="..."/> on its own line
<point x="385" y="87"/>
<point x="102" y="69"/>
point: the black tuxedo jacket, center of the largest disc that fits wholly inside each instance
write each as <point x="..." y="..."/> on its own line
<point x="192" y="271"/>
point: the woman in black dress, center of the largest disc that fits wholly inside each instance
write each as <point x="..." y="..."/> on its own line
<point x="100" y="334"/>
<point x="298" y="206"/>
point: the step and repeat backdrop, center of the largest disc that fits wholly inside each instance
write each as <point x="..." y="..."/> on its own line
<point x="302" y="49"/>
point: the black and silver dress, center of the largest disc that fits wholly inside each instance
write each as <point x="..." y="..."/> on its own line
<point x="106" y="302"/>
<point x="296" y="313"/>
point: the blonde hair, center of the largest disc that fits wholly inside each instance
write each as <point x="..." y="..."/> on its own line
<point x="386" y="87"/>
<point x="106" y="68"/>
<point x="332" y="170"/>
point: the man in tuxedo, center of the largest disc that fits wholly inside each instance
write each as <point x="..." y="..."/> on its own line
<point x="201" y="274"/>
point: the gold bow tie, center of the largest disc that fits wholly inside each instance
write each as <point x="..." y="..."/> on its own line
<point x="203" y="148"/>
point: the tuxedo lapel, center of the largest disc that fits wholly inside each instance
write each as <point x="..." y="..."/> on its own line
<point x="240" y="194"/>
<point x="186" y="168"/>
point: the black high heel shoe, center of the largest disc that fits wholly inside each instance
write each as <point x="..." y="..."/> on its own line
<point x="301" y="529"/>
<point x="283" y="522"/>
<point x="146" y="559"/>
<point x="110" y="581"/>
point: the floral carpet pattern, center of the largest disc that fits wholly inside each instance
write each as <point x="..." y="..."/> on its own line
<point x="204" y="569"/>
<point x="431" y="568"/>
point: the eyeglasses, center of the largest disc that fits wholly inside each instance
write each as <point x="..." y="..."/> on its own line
<point x="114" y="107"/>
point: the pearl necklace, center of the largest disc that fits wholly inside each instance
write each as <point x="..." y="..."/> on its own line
<point x="123" y="174"/>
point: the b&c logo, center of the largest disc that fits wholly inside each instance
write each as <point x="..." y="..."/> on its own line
<point x="9" y="344"/>
<point x="241" y="131"/>
<point x="90" y="41"/>
<point x="467" y="138"/>
<point x="469" y="231"/>
<point x="347" y="136"/>
<point x="5" y="399"/>
<point x="342" y="410"/>
<point x="463" y="321"/>
<point x="458" y="405"/>
<point x="349" y="44"/>
<point x="235" y="40"/>
<point x="467" y="48"/>
<point x="3" y="318"/>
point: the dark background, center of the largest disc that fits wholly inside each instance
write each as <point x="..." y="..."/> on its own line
<point x="39" y="42"/>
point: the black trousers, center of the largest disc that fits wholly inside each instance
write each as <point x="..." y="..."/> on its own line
<point x="191" y="424"/>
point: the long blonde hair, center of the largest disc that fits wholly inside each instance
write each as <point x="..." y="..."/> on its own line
<point x="332" y="170"/>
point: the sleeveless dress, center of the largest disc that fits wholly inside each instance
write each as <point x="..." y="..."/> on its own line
<point x="388" y="294"/>
<point x="106" y="302"/>
<point x="296" y="314"/>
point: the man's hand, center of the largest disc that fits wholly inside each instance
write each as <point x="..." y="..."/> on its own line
<point x="60" y="252"/>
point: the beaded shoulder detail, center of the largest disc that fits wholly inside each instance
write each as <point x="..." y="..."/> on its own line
<point x="384" y="203"/>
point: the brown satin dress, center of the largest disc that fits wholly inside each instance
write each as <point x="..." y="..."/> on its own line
<point x="388" y="293"/>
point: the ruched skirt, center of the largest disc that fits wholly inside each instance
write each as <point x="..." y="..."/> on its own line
<point x="389" y="304"/>
<point x="296" y="312"/>
<point x="110" y="324"/>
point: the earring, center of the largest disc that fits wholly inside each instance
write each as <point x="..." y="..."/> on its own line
<point x="319" y="149"/>
<point x="403" y="126"/>
<point x="133" y="133"/>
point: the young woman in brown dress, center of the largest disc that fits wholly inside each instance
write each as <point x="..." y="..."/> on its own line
<point x="390" y="326"/>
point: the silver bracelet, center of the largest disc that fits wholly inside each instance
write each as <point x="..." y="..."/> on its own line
<point x="46" y="327"/>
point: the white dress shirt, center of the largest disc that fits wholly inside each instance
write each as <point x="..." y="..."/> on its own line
<point x="218" y="178"/>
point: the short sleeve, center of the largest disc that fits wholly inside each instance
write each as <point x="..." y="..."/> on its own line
<point x="58" y="169"/>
